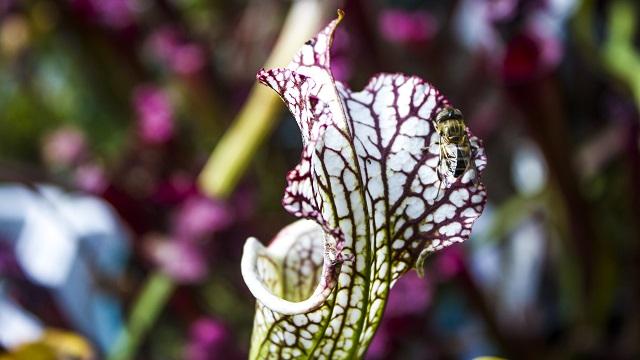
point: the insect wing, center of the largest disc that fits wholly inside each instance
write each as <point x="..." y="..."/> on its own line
<point x="450" y="159"/>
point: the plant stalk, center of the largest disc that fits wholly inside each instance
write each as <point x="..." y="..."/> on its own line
<point x="228" y="161"/>
<point x="254" y="123"/>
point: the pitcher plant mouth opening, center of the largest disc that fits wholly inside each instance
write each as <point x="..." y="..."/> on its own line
<point x="381" y="183"/>
<point x="320" y="286"/>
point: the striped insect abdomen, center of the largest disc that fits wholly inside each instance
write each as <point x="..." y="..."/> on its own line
<point x="462" y="161"/>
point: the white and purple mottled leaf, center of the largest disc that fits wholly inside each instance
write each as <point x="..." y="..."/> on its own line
<point x="368" y="182"/>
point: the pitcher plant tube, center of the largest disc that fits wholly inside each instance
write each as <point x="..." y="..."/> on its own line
<point x="372" y="204"/>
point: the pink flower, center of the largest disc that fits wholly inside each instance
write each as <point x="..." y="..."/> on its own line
<point x="549" y="42"/>
<point x="168" y="46"/>
<point x="181" y="260"/>
<point x="207" y="340"/>
<point x="116" y="13"/>
<point x="155" y="114"/>
<point x="199" y="216"/>
<point x="91" y="178"/>
<point x="64" y="147"/>
<point x="162" y="42"/>
<point x="188" y="59"/>
<point x="401" y="26"/>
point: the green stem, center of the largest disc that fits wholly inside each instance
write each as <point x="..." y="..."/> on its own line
<point x="152" y="298"/>
<point x="617" y="56"/>
<point x="233" y="153"/>
<point x="227" y="163"/>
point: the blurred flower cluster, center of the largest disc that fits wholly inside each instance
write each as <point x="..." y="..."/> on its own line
<point x="109" y="110"/>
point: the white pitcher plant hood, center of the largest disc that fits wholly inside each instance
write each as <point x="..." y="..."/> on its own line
<point x="368" y="186"/>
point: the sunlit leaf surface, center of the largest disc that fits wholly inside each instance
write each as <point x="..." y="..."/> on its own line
<point x="368" y="183"/>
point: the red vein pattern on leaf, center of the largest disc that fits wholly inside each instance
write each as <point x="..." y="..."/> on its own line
<point x="368" y="177"/>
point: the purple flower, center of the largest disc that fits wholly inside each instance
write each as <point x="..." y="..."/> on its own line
<point x="501" y="10"/>
<point x="64" y="147"/>
<point x="380" y="345"/>
<point x="168" y="46"/>
<point x="174" y="190"/>
<point x="530" y="55"/>
<point x="534" y="52"/>
<point x="199" y="216"/>
<point x="155" y="114"/>
<point x="117" y="14"/>
<point x="340" y="64"/>
<point x="188" y="59"/>
<point x="549" y="41"/>
<point x="162" y="42"/>
<point x="207" y="340"/>
<point x="183" y="261"/>
<point x="411" y="295"/>
<point x="91" y="178"/>
<point x="404" y="27"/>
<point x="536" y="48"/>
<point x="449" y="263"/>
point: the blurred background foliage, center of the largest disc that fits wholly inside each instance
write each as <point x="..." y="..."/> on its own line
<point x="109" y="110"/>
